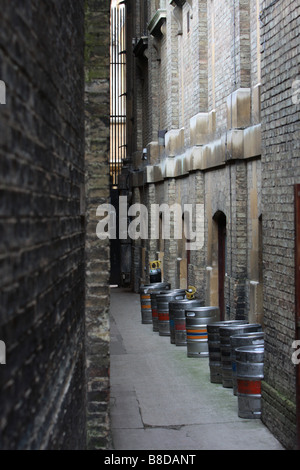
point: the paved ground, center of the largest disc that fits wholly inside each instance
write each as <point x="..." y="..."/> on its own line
<point x="163" y="400"/>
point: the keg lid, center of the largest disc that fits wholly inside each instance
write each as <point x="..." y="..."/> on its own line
<point x="252" y="348"/>
<point x="155" y="292"/>
<point x="229" y="322"/>
<point x="169" y="295"/>
<point x="250" y="334"/>
<point x="186" y="301"/>
<point x="172" y="292"/>
<point x="155" y="285"/>
<point x="204" y="308"/>
<point x="228" y="329"/>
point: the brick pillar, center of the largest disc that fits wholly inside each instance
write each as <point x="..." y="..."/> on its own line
<point x="97" y="251"/>
<point x="42" y="384"/>
<point x="170" y="251"/>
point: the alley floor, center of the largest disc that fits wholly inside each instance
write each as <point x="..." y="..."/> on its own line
<point x="163" y="400"/>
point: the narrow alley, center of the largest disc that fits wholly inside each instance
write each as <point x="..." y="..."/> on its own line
<point x="135" y="135"/>
<point x="163" y="400"/>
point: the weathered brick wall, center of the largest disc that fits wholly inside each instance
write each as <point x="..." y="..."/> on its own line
<point x="97" y="251"/>
<point x="254" y="11"/>
<point x="42" y="385"/>
<point x="220" y="57"/>
<point x="280" y="170"/>
<point x="192" y="51"/>
<point x="254" y="279"/>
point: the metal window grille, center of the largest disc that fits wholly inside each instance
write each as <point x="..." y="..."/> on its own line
<point x="117" y="91"/>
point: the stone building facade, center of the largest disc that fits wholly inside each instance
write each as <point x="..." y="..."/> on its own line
<point x="208" y="89"/>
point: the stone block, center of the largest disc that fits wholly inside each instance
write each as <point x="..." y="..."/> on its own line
<point x="252" y="141"/>
<point x="174" y="142"/>
<point x="235" y="144"/>
<point x="152" y="152"/>
<point x="256" y="104"/>
<point x="239" y="109"/>
<point x="202" y="128"/>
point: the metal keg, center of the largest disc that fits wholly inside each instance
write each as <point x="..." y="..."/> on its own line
<point x="249" y="372"/>
<point x="163" y="299"/>
<point x="153" y="294"/>
<point x="177" y="319"/>
<point x="155" y="275"/>
<point x="197" y="320"/>
<point x="225" y="333"/>
<point x="145" y="290"/>
<point x="155" y="271"/>
<point x="214" y="348"/>
<point x="237" y="341"/>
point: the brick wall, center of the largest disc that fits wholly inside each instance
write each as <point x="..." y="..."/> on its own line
<point x="97" y="251"/>
<point x="42" y="386"/>
<point x="280" y="171"/>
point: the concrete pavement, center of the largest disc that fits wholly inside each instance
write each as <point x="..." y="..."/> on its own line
<point x="163" y="400"/>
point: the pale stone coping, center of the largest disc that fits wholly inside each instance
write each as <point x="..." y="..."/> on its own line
<point x="240" y="141"/>
<point x="239" y="109"/>
<point x="252" y="141"/>
<point x="179" y="3"/>
<point x="174" y="142"/>
<point x="157" y="21"/>
<point x="235" y="144"/>
<point x="202" y="127"/>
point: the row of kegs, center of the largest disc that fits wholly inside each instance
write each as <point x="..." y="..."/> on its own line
<point x="235" y="348"/>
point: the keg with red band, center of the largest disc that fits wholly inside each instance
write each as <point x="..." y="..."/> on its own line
<point x="249" y="387"/>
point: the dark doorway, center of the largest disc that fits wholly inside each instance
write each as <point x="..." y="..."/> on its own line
<point x="115" y="249"/>
<point x="220" y="220"/>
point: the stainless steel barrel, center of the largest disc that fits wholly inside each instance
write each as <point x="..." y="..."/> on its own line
<point x="163" y="299"/>
<point x="214" y="349"/>
<point x="155" y="275"/>
<point x="153" y="295"/>
<point x="225" y="333"/>
<point x="237" y="341"/>
<point x="197" y="320"/>
<point x="250" y="372"/>
<point x="177" y="319"/>
<point x="145" y="290"/>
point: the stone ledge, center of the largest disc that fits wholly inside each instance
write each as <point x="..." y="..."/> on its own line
<point x="174" y="142"/>
<point x="239" y="109"/>
<point x="252" y="141"/>
<point x="140" y="46"/>
<point x="202" y="128"/>
<point x="236" y="144"/>
<point x="178" y="3"/>
<point x="157" y="21"/>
